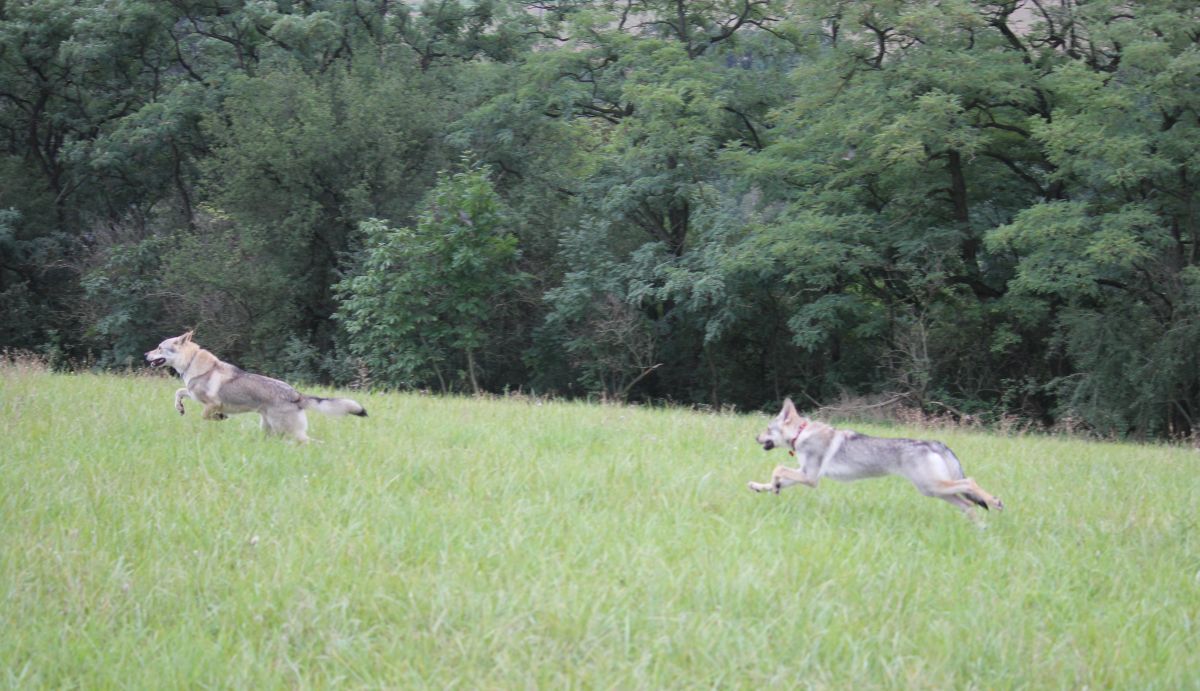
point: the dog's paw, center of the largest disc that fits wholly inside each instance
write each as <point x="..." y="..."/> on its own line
<point x="179" y="407"/>
<point x="999" y="506"/>
<point x="220" y="416"/>
<point x="758" y="486"/>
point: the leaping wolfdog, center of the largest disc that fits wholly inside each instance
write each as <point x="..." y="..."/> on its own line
<point x="823" y="451"/>
<point x="225" y="389"/>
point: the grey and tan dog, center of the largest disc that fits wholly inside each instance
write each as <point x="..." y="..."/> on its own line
<point x="225" y="390"/>
<point x="823" y="451"/>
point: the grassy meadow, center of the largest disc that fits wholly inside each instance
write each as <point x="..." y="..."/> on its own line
<point x="469" y="543"/>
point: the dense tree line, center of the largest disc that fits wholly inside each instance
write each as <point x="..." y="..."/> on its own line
<point x="989" y="207"/>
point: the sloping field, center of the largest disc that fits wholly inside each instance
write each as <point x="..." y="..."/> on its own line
<point x="459" y="543"/>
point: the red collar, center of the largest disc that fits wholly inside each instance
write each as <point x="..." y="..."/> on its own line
<point x="792" y="443"/>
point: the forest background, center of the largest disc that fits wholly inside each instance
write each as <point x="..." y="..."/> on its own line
<point x="988" y="208"/>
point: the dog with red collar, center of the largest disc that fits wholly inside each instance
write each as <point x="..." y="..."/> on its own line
<point x="821" y="450"/>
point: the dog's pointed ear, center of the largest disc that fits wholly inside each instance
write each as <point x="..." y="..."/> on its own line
<point x="187" y="337"/>
<point x="789" y="410"/>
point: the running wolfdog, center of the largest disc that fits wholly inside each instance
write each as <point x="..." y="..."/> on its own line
<point x="822" y="451"/>
<point x="228" y="390"/>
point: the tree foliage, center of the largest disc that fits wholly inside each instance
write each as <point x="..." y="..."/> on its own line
<point x="429" y="303"/>
<point x="976" y="206"/>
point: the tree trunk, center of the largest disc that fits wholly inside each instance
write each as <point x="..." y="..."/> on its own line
<point x="471" y="371"/>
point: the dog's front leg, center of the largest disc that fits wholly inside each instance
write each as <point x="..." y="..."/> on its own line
<point x="179" y="394"/>
<point x="786" y="477"/>
<point x="213" y="412"/>
<point x="781" y="477"/>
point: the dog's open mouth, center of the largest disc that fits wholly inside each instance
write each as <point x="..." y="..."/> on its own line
<point x="158" y="362"/>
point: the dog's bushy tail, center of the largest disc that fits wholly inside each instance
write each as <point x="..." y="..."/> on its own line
<point x="335" y="406"/>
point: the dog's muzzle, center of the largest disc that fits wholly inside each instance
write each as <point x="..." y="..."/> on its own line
<point x="768" y="445"/>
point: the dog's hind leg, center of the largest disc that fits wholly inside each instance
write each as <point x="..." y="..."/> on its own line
<point x="290" y="423"/>
<point x="965" y="505"/>
<point x="965" y="491"/>
<point x="978" y="495"/>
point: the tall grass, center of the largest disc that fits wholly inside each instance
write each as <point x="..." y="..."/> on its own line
<point x="461" y="543"/>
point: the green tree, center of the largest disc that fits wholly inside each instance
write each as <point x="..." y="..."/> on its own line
<point x="975" y="206"/>
<point x="71" y="74"/>
<point x="906" y="139"/>
<point x="1121" y="251"/>
<point x="428" y="303"/>
<point x="649" y="93"/>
